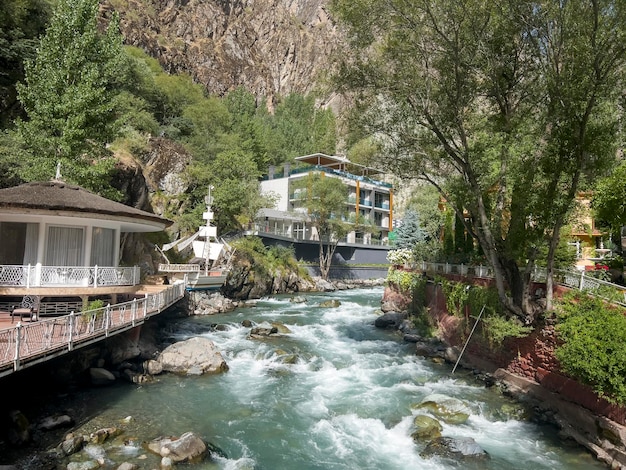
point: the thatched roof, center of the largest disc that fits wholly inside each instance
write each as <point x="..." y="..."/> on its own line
<point x="60" y="196"/>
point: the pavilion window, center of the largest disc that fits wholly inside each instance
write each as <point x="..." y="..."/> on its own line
<point x="18" y="243"/>
<point x="65" y="246"/>
<point x="103" y="247"/>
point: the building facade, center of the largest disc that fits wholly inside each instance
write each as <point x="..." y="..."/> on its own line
<point x="368" y="198"/>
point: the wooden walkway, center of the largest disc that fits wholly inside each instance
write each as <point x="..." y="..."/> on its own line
<point x="26" y="343"/>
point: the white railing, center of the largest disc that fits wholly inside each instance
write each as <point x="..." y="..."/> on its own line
<point x="179" y="268"/>
<point x="31" y="343"/>
<point x="580" y="280"/>
<point x="67" y="276"/>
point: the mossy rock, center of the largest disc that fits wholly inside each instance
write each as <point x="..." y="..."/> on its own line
<point x="448" y="409"/>
<point x="426" y="428"/>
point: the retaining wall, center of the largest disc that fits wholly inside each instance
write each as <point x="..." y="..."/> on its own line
<point x="531" y="357"/>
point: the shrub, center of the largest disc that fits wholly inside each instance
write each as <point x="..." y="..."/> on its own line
<point x="594" y="345"/>
<point x="423" y="323"/>
<point x="94" y="305"/>
<point x="267" y="260"/>
<point x="496" y="328"/>
<point x="411" y="284"/>
<point x="457" y="296"/>
<point x="405" y="280"/>
<point x="487" y="297"/>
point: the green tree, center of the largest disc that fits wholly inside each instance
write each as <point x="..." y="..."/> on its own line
<point x="237" y="194"/>
<point x="504" y="107"/>
<point x="248" y="124"/>
<point x="325" y="203"/>
<point x="21" y="23"/>
<point x="68" y="97"/>
<point x="297" y="128"/>
<point x="609" y="201"/>
<point x="209" y="122"/>
<point x="410" y="232"/>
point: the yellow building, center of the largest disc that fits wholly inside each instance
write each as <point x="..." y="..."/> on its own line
<point x="591" y="244"/>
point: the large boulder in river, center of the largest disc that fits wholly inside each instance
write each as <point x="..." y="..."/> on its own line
<point x="188" y="448"/>
<point x="449" y="409"/>
<point x="195" y="356"/>
<point x="390" y="320"/>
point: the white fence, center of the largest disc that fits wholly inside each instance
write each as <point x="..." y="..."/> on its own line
<point x="67" y="276"/>
<point x="30" y="343"/>
<point x="580" y="280"/>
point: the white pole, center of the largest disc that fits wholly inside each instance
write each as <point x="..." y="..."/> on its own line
<point x="468" y="338"/>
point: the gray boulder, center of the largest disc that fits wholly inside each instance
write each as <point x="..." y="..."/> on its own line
<point x="390" y="320"/>
<point x="19" y="428"/>
<point x="188" y="448"/>
<point x="195" y="356"/>
<point x="425" y="428"/>
<point x="50" y="423"/>
<point x="71" y="444"/>
<point x="449" y="409"/>
<point x="101" y="376"/>
<point x="321" y="285"/>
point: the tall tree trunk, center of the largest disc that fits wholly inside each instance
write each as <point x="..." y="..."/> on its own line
<point x="324" y="261"/>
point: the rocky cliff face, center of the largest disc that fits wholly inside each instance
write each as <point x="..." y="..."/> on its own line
<point x="271" y="47"/>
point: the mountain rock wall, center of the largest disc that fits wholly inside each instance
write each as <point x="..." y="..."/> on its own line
<point x="271" y="47"/>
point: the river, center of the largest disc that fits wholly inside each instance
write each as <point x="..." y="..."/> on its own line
<point x="334" y="394"/>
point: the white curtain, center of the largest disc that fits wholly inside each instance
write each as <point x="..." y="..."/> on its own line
<point x="65" y="246"/>
<point x="102" y="247"/>
<point x="30" y="246"/>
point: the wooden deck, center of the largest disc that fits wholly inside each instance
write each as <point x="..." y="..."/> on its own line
<point x="24" y="342"/>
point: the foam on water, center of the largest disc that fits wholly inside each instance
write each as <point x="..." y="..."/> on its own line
<point x="342" y="401"/>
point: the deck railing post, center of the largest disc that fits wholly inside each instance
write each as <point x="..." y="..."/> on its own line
<point x="28" y="276"/>
<point x="107" y="319"/>
<point x="95" y="276"/>
<point x="71" y="335"/>
<point x="18" y="342"/>
<point x="582" y="280"/>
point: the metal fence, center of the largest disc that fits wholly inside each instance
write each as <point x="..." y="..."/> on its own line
<point x="30" y="343"/>
<point x="580" y="280"/>
<point x="68" y="276"/>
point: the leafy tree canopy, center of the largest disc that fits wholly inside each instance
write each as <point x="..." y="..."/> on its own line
<point x="68" y="96"/>
<point x="85" y="97"/>
<point x="504" y="107"/>
<point x="609" y="200"/>
<point x="21" y="23"/>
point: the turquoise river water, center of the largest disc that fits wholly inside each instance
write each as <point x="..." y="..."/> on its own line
<point x="341" y="401"/>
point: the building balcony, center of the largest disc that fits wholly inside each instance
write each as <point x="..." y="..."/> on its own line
<point x="16" y="278"/>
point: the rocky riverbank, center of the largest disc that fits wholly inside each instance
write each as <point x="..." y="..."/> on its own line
<point x="38" y="426"/>
<point x="603" y="437"/>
